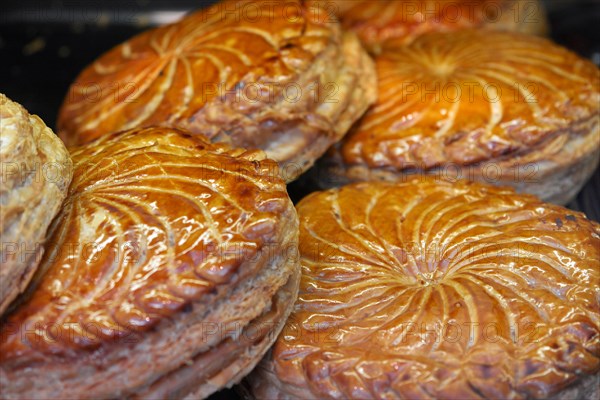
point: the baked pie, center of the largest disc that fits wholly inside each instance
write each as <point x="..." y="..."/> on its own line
<point x="36" y="171"/>
<point x="376" y="21"/>
<point x="497" y="107"/>
<point x="255" y="74"/>
<point x="170" y="270"/>
<point x="431" y="289"/>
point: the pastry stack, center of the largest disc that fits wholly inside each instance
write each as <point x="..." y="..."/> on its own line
<point x="172" y="264"/>
<point x="165" y="259"/>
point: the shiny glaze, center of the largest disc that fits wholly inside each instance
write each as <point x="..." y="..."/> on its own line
<point x="154" y="219"/>
<point x="472" y="96"/>
<point x="376" y="21"/>
<point x="511" y="281"/>
<point x="168" y="75"/>
<point x="36" y="172"/>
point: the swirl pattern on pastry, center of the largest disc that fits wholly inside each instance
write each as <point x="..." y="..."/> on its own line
<point x="256" y="74"/>
<point x="429" y="289"/>
<point x="471" y="96"/>
<point x="154" y="220"/>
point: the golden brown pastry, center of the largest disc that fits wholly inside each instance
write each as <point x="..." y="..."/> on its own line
<point x="36" y="171"/>
<point x="376" y="21"/>
<point x="435" y="290"/>
<point x="255" y="74"/>
<point x="502" y="108"/>
<point x="171" y="269"/>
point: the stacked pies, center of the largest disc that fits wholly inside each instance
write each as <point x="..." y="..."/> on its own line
<point x="498" y="107"/>
<point x="376" y="21"/>
<point x="265" y="74"/>
<point x="36" y="172"/>
<point x="435" y="290"/>
<point x="170" y="270"/>
<point x="173" y="253"/>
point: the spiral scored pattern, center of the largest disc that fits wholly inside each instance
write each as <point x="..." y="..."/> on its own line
<point x="438" y="290"/>
<point x="376" y="21"/>
<point x="155" y="219"/>
<point x="262" y="74"/>
<point x="157" y="72"/>
<point x="472" y="96"/>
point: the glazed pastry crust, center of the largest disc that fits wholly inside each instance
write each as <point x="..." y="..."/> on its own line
<point x="555" y="174"/>
<point x="282" y="78"/>
<point x="434" y="289"/>
<point x="376" y="21"/>
<point x="170" y="256"/>
<point x="498" y="107"/>
<point x="36" y="171"/>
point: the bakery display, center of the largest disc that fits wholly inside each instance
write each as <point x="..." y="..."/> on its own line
<point x="376" y="21"/>
<point x="255" y="74"/>
<point x="498" y="107"/>
<point x="162" y="259"/>
<point x="36" y="172"/>
<point x="170" y="270"/>
<point x="435" y="289"/>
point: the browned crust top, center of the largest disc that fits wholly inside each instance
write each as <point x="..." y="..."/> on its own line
<point x="154" y="219"/>
<point x="429" y="289"/>
<point x="473" y="96"/>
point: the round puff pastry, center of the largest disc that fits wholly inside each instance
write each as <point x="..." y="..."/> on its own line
<point x="376" y="21"/>
<point x="36" y="171"/>
<point x="497" y="107"/>
<point x="255" y="74"/>
<point x="429" y="289"/>
<point x="171" y="269"/>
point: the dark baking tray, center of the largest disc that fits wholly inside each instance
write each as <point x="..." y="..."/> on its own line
<point x="45" y="44"/>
